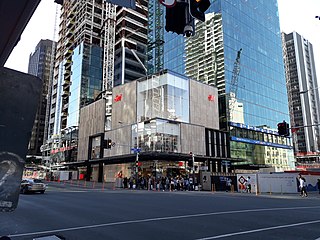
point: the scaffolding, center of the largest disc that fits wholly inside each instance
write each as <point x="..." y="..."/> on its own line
<point x="108" y="45"/>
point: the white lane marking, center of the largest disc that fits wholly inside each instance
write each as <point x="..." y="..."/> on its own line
<point x="259" y="230"/>
<point x="157" y="219"/>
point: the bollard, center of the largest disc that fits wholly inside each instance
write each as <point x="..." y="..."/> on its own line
<point x="85" y="183"/>
<point x="213" y="187"/>
<point x="103" y="185"/>
<point x="93" y="184"/>
<point x="232" y="188"/>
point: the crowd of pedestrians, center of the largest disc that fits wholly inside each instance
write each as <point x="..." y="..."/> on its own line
<point x="178" y="183"/>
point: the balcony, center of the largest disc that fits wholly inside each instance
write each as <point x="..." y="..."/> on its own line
<point x="67" y="64"/>
<point x="68" y="53"/>
<point x="70" y="23"/>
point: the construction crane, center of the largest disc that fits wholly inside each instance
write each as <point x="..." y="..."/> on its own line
<point x="234" y="85"/>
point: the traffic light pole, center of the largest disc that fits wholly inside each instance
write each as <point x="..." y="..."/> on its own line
<point x="137" y="166"/>
<point x="312" y="125"/>
<point x="193" y="171"/>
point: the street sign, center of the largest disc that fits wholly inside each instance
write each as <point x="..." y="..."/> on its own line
<point x="203" y="168"/>
<point x="136" y="150"/>
<point x="226" y="163"/>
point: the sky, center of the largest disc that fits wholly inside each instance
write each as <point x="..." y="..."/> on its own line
<point x="295" y="15"/>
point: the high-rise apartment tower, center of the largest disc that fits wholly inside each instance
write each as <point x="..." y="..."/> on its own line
<point x="303" y="95"/>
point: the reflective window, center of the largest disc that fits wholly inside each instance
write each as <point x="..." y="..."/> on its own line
<point x="157" y="135"/>
<point x="166" y="97"/>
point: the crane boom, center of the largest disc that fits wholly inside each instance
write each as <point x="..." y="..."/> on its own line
<point x="234" y="85"/>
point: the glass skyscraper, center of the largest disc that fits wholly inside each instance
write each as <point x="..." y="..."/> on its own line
<point x="260" y="90"/>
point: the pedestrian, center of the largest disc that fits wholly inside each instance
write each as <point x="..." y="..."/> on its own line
<point x="228" y="184"/>
<point x="248" y="184"/>
<point x="302" y="186"/>
<point x="318" y="185"/>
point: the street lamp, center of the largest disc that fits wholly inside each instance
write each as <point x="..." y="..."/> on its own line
<point x="307" y="90"/>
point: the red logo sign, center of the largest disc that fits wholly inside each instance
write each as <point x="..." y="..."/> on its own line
<point x="211" y="98"/>
<point x="118" y="98"/>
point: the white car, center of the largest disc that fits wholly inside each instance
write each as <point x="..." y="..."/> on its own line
<point x="32" y="185"/>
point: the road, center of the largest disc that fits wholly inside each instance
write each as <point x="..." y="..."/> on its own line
<point x="80" y="213"/>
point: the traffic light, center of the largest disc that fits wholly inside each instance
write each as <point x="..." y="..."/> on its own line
<point x="198" y="7"/>
<point x="283" y="129"/>
<point x="190" y="161"/>
<point x="179" y="20"/>
<point x="107" y="143"/>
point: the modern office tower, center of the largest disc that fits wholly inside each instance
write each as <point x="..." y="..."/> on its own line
<point x="40" y="66"/>
<point x="255" y="80"/>
<point x="303" y="95"/>
<point x="131" y="43"/>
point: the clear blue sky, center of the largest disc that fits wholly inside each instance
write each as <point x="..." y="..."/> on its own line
<point x="295" y="15"/>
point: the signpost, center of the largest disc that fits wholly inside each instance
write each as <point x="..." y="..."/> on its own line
<point x="136" y="151"/>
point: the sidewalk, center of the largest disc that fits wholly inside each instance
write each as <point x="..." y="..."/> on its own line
<point x="81" y="185"/>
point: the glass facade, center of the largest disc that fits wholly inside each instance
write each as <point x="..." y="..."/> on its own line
<point x="252" y="26"/>
<point x="86" y="79"/>
<point x="158" y="135"/>
<point x="165" y="96"/>
<point x="58" y="105"/>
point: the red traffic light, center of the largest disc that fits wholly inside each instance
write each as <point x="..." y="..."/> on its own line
<point x="283" y="129"/>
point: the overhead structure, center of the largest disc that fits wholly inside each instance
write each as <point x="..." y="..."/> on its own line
<point x="109" y="42"/>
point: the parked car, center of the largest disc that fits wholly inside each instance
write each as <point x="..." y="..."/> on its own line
<point x="32" y="185"/>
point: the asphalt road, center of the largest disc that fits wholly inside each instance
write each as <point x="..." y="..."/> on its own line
<point x="84" y="213"/>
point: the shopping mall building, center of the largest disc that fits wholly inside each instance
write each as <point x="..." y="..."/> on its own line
<point x="160" y="124"/>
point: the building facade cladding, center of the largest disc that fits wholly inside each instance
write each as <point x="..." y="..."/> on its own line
<point x="39" y="65"/>
<point x="131" y="35"/>
<point x="86" y="79"/>
<point x="252" y="26"/>
<point x="170" y="129"/>
<point x="302" y="93"/>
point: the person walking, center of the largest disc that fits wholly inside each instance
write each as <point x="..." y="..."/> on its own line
<point x="248" y="184"/>
<point x="302" y="186"/>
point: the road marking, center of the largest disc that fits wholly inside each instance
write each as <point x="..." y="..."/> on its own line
<point x="258" y="230"/>
<point x="157" y="219"/>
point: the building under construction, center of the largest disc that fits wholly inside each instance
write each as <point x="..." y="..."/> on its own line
<point x="96" y="40"/>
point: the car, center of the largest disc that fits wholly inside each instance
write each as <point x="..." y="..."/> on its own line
<point x="29" y="185"/>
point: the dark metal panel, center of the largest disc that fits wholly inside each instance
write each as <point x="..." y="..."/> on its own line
<point x="19" y="98"/>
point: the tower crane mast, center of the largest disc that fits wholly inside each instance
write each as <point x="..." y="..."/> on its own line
<point x="234" y="85"/>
